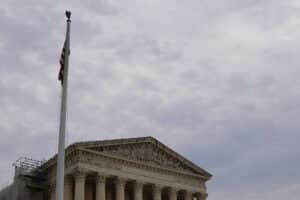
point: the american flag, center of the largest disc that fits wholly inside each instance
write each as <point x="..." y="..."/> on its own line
<point x="62" y="63"/>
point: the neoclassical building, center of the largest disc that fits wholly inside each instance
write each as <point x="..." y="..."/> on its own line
<point x="122" y="169"/>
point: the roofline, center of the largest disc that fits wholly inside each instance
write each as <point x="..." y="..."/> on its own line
<point x="182" y="158"/>
<point x="109" y="142"/>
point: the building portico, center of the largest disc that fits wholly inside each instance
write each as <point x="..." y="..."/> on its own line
<point x="127" y="169"/>
<point x="102" y="187"/>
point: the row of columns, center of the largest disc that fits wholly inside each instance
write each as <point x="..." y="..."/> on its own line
<point x="79" y="189"/>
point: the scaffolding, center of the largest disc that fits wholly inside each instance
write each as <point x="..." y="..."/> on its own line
<point x="26" y="165"/>
<point x="30" y="171"/>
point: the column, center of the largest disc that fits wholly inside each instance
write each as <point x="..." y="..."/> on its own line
<point x="79" y="186"/>
<point x="68" y="188"/>
<point x="100" y="187"/>
<point x="120" y="189"/>
<point x="138" y="191"/>
<point x="201" y="196"/>
<point x="173" y="194"/>
<point x="52" y="191"/>
<point x="188" y="195"/>
<point x="157" y="192"/>
<point x="52" y="195"/>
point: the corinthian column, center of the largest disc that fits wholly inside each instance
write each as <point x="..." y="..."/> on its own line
<point x="52" y="192"/>
<point x="79" y="186"/>
<point x="157" y="192"/>
<point x="68" y="188"/>
<point x="173" y="194"/>
<point x="188" y="196"/>
<point x="138" y="191"/>
<point x="100" y="187"/>
<point x="203" y="196"/>
<point x="120" y="189"/>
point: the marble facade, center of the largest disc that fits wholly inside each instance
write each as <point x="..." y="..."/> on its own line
<point x="127" y="169"/>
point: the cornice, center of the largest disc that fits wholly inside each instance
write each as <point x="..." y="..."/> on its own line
<point x="139" y="140"/>
<point x="82" y="146"/>
<point x="180" y="157"/>
<point x="140" y="164"/>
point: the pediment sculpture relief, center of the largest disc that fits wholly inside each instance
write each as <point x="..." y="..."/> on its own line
<point x="144" y="152"/>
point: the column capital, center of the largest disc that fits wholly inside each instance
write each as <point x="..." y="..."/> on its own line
<point x="202" y="192"/>
<point x="173" y="193"/>
<point x="68" y="188"/>
<point x="68" y="180"/>
<point x="79" y="184"/>
<point x="202" y="196"/>
<point x="174" y="189"/>
<point x="158" y="187"/>
<point x="78" y="175"/>
<point x="100" y="178"/>
<point x="138" y="189"/>
<point x="157" y="191"/>
<point x="138" y="183"/>
<point x="100" y="186"/>
<point x="52" y="186"/>
<point x="120" y="188"/>
<point x="188" y="195"/>
<point x="121" y="181"/>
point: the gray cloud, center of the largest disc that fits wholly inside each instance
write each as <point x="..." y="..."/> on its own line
<point x="216" y="81"/>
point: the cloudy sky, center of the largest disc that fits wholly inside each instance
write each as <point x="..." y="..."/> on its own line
<point x="218" y="81"/>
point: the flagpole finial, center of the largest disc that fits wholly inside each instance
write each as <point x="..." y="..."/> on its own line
<point x="68" y="14"/>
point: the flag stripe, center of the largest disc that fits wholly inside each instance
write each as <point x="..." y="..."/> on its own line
<point x="62" y="63"/>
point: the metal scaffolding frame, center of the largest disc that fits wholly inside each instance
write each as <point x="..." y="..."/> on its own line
<point x="26" y="165"/>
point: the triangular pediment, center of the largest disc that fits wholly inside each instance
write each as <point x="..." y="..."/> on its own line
<point x="147" y="150"/>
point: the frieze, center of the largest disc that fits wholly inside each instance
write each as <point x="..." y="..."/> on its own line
<point x="144" y="152"/>
<point x="111" y="163"/>
<point x="147" y="150"/>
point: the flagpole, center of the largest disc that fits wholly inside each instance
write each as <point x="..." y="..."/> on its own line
<point x="63" y="114"/>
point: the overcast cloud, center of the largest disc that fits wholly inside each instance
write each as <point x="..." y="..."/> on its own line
<point x="218" y="81"/>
